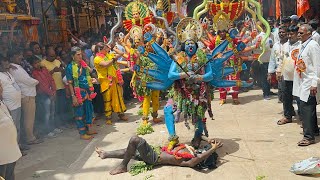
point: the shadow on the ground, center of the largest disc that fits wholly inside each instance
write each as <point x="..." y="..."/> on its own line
<point x="250" y="98"/>
<point x="229" y="147"/>
<point x="37" y="164"/>
<point x="311" y="176"/>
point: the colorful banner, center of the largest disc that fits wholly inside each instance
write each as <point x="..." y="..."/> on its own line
<point x="278" y="9"/>
<point x="302" y="7"/>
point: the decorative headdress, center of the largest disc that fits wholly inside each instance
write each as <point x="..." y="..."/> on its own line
<point x="189" y="29"/>
<point x="160" y="5"/>
<point x="136" y="6"/>
<point x="163" y="5"/>
<point x="150" y="28"/>
<point x="225" y="12"/>
<point x="136" y="33"/>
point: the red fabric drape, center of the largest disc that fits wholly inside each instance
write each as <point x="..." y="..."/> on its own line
<point x="271" y="8"/>
<point x="278" y="9"/>
<point x="302" y="7"/>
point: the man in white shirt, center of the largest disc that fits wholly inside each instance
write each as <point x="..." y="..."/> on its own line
<point x="11" y="93"/>
<point x="315" y="35"/>
<point x="275" y="34"/>
<point x="305" y="83"/>
<point x="277" y="53"/>
<point x="28" y="91"/>
<point x="285" y="69"/>
<point x="9" y="151"/>
<point x="263" y="68"/>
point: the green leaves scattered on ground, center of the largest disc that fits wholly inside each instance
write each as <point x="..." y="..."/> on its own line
<point x="144" y="129"/>
<point x="36" y="175"/>
<point x="140" y="167"/>
<point x="148" y="177"/>
<point x="140" y="112"/>
<point x="260" y="177"/>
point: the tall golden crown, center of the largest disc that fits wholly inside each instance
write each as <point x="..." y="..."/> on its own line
<point x="224" y="12"/>
<point x="160" y="5"/>
<point x="164" y="5"/>
<point x="189" y="29"/>
<point x="190" y="32"/>
<point x="135" y="7"/>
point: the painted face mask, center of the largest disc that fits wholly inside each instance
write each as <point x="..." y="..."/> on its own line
<point x="159" y="13"/>
<point x="190" y="48"/>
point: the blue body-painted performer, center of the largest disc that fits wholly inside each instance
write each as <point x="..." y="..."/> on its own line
<point x="169" y="109"/>
<point x="82" y="92"/>
<point x="192" y="73"/>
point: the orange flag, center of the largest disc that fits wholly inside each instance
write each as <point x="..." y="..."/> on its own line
<point x="302" y="7"/>
<point x="278" y="9"/>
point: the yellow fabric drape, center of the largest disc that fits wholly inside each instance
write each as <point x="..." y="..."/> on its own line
<point x="154" y="97"/>
<point x="113" y="100"/>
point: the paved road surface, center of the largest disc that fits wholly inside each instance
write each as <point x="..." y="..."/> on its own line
<point x="254" y="146"/>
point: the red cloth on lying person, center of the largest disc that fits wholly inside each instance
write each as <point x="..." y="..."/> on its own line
<point x="177" y="154"/>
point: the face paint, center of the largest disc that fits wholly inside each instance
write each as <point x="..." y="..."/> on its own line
<point x="159" y="13"/>
<point x="190" y="48"/>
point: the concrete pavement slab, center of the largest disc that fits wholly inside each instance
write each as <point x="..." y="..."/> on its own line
<point x="254" y="146"/>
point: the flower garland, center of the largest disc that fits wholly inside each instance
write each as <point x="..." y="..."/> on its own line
<point x="300" y="67"/>
<point x="230" y="46"/>
<point x="108" y="57"/>
<point x="131" y="58"/>
<point x="134" y="21"/>
<point x="177" y="154"/>
<point x="218" y="41"/>
<point x="201" y="57"/>
<point x="188" y="102"/>
<point x="142" y="90"/>
<point x="75" y="75"/>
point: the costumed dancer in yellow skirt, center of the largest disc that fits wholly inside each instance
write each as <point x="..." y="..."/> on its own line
<point x="140" y="78"/>
<point x="137" y="15"/>
<point x="111" y="81"/>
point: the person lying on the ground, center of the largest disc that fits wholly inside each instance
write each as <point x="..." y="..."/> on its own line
<point x="182" y="155"/>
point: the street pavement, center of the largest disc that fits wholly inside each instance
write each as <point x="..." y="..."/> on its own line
<point x="255" y="147"/>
